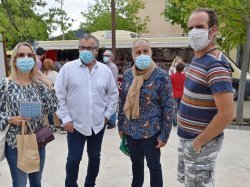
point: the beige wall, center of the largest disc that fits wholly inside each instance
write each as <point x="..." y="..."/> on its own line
<point x="158" y="24"/>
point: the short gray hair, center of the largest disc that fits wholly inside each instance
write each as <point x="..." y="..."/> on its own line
<point x="138" y="40"/>
<point x="87" y="37"/>
<point x="110" y="52"/>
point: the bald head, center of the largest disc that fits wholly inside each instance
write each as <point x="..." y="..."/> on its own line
<point x="141" y="47"/>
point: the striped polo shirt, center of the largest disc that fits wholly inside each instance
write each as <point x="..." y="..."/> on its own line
<point x="206" y="76"/>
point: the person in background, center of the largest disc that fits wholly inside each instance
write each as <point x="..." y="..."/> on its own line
<point x="59" y="64"/>
<point x="25" y="83"/>
<point x="88" y="96"/>
<point x="176" y="61"/>
<point x="48" y="70"/>
<point x="40" y="53"/>
<point x="207" y="105"/>
<point x="108" y="59"/>
<point x="145" y="113"/>
<point x="177" y="80"/>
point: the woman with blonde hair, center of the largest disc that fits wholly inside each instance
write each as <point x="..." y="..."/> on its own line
<point x="28" y="84"/>
<point x="172" y="69"/>
<point x="48" y="69"/>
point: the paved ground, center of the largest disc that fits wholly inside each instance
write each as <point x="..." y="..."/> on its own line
<point x="233" y="164"/>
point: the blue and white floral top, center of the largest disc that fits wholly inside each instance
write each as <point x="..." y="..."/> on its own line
<point x="155" y="106"/>
<point x="16" y="93"/>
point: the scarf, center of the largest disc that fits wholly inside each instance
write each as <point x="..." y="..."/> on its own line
<point x="131" y="107"/>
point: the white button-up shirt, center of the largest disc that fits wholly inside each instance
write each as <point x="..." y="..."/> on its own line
<point x="85" y="97"/>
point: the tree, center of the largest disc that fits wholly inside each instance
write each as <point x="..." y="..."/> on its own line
<point x="20" y="21"/>
<point x="57" y="17"/>
<point x="234" y="16"/>
<point x="98" y="16"/>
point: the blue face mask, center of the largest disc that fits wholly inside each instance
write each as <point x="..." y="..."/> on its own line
<point x="86" y="56"/>
<point x="106" y="59"/>
<point x="143" y="61"/>
<point x="25" y="64"/>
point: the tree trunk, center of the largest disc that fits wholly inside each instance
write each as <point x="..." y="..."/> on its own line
<point x="240" y="56"/>
<point x="246" y="58"/>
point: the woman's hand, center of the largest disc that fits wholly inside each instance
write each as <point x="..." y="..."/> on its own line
<point x="43" y="78"/>
<point x="17" y="120"/>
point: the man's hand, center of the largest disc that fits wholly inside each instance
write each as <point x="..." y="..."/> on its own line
<point x="197" y="146"/>
<point x="121" y="134"/>
<point x="160" y="144"/>
<point x="105" y="120"/>
<point x="69" y="127"/>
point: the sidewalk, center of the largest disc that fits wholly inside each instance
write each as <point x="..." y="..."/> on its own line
<point x="233" y="163"/>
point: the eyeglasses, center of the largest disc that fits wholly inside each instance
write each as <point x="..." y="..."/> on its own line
<point x="89" y="48"/>
<point x="22" y="55"/>
<point x="106" y="55"/>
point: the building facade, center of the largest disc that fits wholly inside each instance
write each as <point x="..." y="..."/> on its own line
<point x="158" y="24"/>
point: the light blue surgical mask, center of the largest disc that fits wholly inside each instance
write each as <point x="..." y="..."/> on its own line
<point x="25" y="64"/>
<point x="106" y="59"/>
<point x="86" y="56"/>
<point x="143" y="61"/>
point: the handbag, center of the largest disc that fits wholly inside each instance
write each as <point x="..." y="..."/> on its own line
<point x="44" y="135"/>
<point x="4" y="132"/>
<point x="28" y="158"/>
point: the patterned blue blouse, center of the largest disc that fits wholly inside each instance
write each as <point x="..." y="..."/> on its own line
<point x="16" y="93"/>
<point x="155" y="105"/>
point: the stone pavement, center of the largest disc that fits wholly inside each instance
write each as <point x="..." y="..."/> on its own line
<point x="233" y="163"/>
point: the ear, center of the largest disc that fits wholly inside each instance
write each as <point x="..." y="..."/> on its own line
<point x="214" y="31"/>
<point x="96" y="51"/>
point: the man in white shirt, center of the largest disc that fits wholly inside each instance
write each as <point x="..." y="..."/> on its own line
<point x="108" y="60"/>
<point x="87" y="96"/>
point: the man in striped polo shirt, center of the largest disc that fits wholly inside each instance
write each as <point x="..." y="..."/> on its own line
<point x="207" y="106"/>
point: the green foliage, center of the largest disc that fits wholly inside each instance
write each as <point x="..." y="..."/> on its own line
<point x="232" y="15"/>
<point x="19" y="21"/>
<point x="98" y="16"/>
<point x="57" y="17"/>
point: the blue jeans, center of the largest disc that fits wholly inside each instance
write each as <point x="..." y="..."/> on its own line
<point x="19" y="178"/>
<point x="112" y="119"/>
<point x="50" y="119"/>
<point x="138" y="148"/>
<point x="76" y="142"/>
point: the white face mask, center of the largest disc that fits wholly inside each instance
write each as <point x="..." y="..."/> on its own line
<point x="198" y="38"/>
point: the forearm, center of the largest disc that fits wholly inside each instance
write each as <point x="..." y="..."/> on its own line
<point x="166" y="124"/>
<point x="215" y="127"/>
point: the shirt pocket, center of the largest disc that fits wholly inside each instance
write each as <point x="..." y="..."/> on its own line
<point x="101" y="85"/>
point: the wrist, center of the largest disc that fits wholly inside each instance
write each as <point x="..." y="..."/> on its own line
<point x="9" y="119"/>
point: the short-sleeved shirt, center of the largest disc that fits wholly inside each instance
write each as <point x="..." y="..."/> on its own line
<point x="206" y="76"/>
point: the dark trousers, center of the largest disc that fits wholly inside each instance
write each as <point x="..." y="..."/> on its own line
<point x="76" y="142"/>
<point x="138" y="148"/>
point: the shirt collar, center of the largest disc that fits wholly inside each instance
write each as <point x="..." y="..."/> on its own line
<point x="82" y="65"/>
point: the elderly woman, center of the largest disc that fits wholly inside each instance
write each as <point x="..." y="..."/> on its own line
<point x="25" y="83"/>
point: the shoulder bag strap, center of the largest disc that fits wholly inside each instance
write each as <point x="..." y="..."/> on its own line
<point x="7" y="98"/>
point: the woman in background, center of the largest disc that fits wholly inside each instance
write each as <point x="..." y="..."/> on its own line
<point x="176" y="61"/>
<point x="48" y="70"/>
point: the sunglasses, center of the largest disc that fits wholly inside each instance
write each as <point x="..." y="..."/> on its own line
<point x="22" y="55"/>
